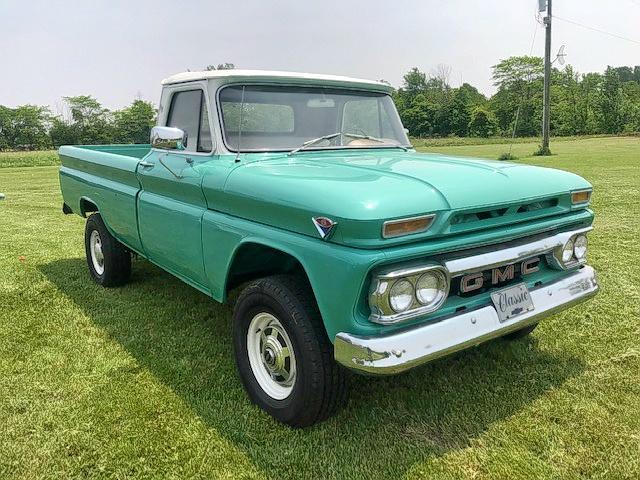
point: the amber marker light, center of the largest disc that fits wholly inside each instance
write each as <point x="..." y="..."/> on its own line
<point x="407" y="226"/>
<point x="582" y="196"/>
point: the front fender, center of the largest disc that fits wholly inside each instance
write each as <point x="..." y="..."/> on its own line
<point x="336" y="273"/>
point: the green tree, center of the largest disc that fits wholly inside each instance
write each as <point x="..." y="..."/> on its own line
<point x="5" y="120"/>
<point x="415" y="82"/>
<point x="92" y="122"/>
<point x="464" y="100"/>
<point x="24" y="127"/>
<point x="64" y="133"/>
<point x="483" y="123"/>
<point x="520" y="87"/>
<point x="611" y="120"/>
<point x="420" y="117"/>
<point x="133" y="124"/>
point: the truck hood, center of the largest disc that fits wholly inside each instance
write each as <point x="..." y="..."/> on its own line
<point x="362" y="189"/>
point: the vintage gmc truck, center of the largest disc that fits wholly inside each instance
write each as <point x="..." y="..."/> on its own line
<point x="354" y="250"/>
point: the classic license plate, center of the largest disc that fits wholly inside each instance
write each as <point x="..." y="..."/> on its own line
<point x="511" y="302"/>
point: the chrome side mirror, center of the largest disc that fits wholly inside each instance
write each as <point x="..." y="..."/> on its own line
<point x="168" y="138"/>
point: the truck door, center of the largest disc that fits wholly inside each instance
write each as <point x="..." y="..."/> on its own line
<point x="171" y="204"/>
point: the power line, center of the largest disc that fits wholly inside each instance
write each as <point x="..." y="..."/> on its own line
<point x="515" y="123"/>
<point x="615" y="35"/>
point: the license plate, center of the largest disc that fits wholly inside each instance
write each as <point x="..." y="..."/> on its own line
<point x="511" y="302"/>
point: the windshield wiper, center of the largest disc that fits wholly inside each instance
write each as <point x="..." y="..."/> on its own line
<point x="313" y="141"/>
<point x="375" y="139"/>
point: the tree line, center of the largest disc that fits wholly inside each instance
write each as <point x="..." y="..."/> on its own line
<point x="33" y="127"/>
<point x="581" y="104"/>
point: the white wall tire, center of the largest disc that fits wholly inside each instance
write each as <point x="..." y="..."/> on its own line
<point x="95" y="247"/>
<point x="108" y="260"/>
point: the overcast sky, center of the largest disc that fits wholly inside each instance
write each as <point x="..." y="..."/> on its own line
<point x="117" y="49"/>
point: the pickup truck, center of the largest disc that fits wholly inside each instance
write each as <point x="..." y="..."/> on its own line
<point x="354" y="252"/>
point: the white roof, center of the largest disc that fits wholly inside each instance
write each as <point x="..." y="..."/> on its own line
<point x="274" y="76"/>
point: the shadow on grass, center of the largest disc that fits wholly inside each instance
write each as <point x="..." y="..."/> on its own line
<point x="389" y="425"/>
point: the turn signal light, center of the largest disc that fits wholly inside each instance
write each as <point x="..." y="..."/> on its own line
<point x="583" y="196"/>
<point x="407" y="226"/>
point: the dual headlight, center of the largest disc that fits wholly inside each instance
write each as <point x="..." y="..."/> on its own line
<point x="406" y="293"/>
<point x="572" y="253"/>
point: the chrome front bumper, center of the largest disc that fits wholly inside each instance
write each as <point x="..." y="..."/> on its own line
<point x="398" y="352"/>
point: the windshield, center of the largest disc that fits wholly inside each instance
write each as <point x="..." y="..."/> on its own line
<point x="283" y="118"/>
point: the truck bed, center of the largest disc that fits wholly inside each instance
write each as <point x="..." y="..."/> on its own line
<point x="92" y="175"/>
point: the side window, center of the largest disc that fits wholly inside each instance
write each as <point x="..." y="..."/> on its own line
<point x="188" y="112"/>
<point x="204" y="138"/>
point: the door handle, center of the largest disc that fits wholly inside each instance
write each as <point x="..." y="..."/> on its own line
<point x="144" y="163"/>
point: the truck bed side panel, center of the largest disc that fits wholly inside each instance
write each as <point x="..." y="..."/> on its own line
<point x="109" y="181"/>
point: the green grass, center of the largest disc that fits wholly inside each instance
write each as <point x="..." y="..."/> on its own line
<point x="139" y="381"/>
<point x="461" y="141"/>
<point x="29" y="159"/>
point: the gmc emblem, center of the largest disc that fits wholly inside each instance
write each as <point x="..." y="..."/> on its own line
<point x="475" y="281"/>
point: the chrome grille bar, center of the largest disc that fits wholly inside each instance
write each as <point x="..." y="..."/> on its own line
<point x="490" y="258"/>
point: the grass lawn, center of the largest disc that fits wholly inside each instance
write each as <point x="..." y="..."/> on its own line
<point x="140" y="382"/>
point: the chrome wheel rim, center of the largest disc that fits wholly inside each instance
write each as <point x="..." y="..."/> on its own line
<point x="271" y="356"/>
<point x="97" y="257"/>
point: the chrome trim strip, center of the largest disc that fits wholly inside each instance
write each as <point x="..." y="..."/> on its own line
<point x="398" y="352"/>
<point x="491" y="258"/>
<point x="430" y="216"/>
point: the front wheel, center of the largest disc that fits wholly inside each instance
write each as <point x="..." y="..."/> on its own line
<point x="282" y="352"/>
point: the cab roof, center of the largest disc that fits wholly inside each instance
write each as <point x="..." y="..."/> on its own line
<point x="231" y="76"/>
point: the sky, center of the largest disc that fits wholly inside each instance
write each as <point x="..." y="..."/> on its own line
<point x="118" y="50"/>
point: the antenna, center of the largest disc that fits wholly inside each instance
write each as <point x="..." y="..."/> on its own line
<point x="240" y="125"/>
<point x="560" y="56"/>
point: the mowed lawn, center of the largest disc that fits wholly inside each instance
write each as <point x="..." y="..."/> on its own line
<point x="140" y="381"/>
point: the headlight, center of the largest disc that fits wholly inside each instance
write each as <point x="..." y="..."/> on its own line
<point x="572" y="254"/>
<point x="567" y="251"/>
<point x="401" y="295"/>
<point x="405" y="293"/>
<point x="580" y="247"/>
<point x="430" y="287"/>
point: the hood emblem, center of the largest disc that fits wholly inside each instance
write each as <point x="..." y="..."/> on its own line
<point x="324" y="226"/>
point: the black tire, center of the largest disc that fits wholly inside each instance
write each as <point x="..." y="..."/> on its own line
<point x="523" y="332"/>
<point x="320" y="385"/>
<point x="116" y="259"/>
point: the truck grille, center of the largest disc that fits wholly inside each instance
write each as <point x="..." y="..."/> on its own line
<point x="498" y="277"/>
<point x="513" y="211"/>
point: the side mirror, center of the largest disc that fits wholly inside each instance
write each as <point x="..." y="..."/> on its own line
<point x="406" y="130"/>
<point x="168" y="138"/>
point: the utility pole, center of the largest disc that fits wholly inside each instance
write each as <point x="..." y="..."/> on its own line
<point x="547" y="82"/>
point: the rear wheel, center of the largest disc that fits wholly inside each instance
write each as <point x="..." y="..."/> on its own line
<point x="108" y="260"/>
<point x="283" y="354"/>
<point x="523" y="332"/>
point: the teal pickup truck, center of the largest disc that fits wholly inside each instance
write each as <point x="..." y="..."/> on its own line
<point x="354" y="252"/>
